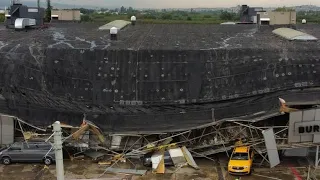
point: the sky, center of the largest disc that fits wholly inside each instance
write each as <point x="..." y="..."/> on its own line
<point x="186" y="3"/>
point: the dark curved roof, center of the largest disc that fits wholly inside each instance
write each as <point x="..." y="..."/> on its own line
<point x="158" y="36"/>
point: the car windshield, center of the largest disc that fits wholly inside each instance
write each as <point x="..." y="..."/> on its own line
<point x="240" y="156"/>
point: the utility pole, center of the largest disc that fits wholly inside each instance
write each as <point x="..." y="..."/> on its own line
<point x="58" y="150"/>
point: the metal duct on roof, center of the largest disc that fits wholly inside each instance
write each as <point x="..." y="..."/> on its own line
<point x="292" y="34"/>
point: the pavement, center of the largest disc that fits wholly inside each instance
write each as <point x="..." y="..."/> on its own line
<point x="86" y="169"/>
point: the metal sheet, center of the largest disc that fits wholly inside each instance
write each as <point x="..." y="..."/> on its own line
<point x="127" y="171"/>
<point x="271" y="146"/>
<point x="156" y="159"/>
<point x="316" y="138"/>
<point x="294" y="118"/>
<point x="309" y="128"/>
<point x="189" y="158"/>
<point x="177" y="156"/>
<point x="308" y="116"/>
<point x="6" y="130"/>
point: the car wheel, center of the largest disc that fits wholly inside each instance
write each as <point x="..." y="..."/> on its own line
<point x="6" y="160"/>
<point x="47" y="161"/>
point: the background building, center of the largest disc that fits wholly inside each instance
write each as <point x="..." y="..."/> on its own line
<point x="66" y="15"/>
<point x="278" y="18"/>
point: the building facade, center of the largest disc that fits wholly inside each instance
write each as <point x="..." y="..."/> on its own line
<point x="278" y="18"/>
<point x="66" y="15"/>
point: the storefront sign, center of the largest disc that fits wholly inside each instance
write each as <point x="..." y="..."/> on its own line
<point x="307" y="128"/>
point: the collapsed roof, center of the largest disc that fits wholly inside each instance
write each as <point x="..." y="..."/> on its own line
<point x="155" y="77"/>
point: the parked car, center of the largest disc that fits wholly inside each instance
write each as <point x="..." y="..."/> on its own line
<point x="167" y="159"/>
<point x="28" y="152"/>
<point x="241" y="160"/>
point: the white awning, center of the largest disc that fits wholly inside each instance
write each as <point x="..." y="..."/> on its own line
<point x="264" y="19"/>
<point x="54" y="15"/>
<point x="7" y="15"/>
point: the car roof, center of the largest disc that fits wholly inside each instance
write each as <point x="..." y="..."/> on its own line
<point x="243" y="149"/>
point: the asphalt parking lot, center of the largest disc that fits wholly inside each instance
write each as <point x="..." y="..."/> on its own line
<point x="86" y="169"/>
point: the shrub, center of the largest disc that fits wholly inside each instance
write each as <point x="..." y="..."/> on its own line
<point x="2" y="18"/>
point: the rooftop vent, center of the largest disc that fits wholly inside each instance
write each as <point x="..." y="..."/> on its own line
<point x="291" y="34"/>
<point x="113" y="33"/>
<point x="23" y="23"/>
<point x="133" y="20"/>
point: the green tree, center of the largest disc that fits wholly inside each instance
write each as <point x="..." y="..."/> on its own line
<point x="2" y="18"/>
<point x="48" y="11"/>
<point x="284" y="9"/>
<point x="85" y="18"/>
<point x="122" y="9"/>
<point x="166" y="16"/>
<point x="225" y="15"/>
<point x="189" y="18"/>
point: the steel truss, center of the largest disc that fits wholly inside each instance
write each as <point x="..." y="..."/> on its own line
<point x="221" y="137"/>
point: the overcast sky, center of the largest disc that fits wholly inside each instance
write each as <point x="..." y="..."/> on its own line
<point x="187" y="3"/>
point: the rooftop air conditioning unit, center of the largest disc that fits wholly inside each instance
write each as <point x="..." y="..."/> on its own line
<point x="23" y="23"/>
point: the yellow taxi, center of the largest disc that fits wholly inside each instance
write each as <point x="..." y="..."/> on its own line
<point x="240" y="162"/>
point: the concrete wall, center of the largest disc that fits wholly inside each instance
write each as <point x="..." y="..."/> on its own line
<point x="284" y="18"/>
<point x="6" y="130"/>
<point x="280" y="18"/>
<point x="67" y="15"/>
<point x="299" y="152"/>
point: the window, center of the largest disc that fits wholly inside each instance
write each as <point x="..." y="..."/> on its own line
<point x="240" y="156"/>
<point x="15" y="148"/>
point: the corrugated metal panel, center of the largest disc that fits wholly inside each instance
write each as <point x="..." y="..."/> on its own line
<point x="308" y="116"/>
<point x="294" y="118"/>
<point x="119" y="24"/>
<point x="292" y="34"/>
<point x="271" y="147"/>
<point x="316" y="138"/>
<point x="189" y="158"/>
<point x="177" y="156"/>
<point x="155" y="159"/>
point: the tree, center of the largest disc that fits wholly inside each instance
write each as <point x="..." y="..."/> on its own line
<point x="189" y="18"/>
<point x="166" y="16"/>
<point x="225" y="15"/>
<point x="284" y="9"/>
<point x="122" y="9"/>
<point x="2" y="18"/>
<point x="130" y="9"/>
<point x="85" y="18"/>
<point x="48" y="11"/>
